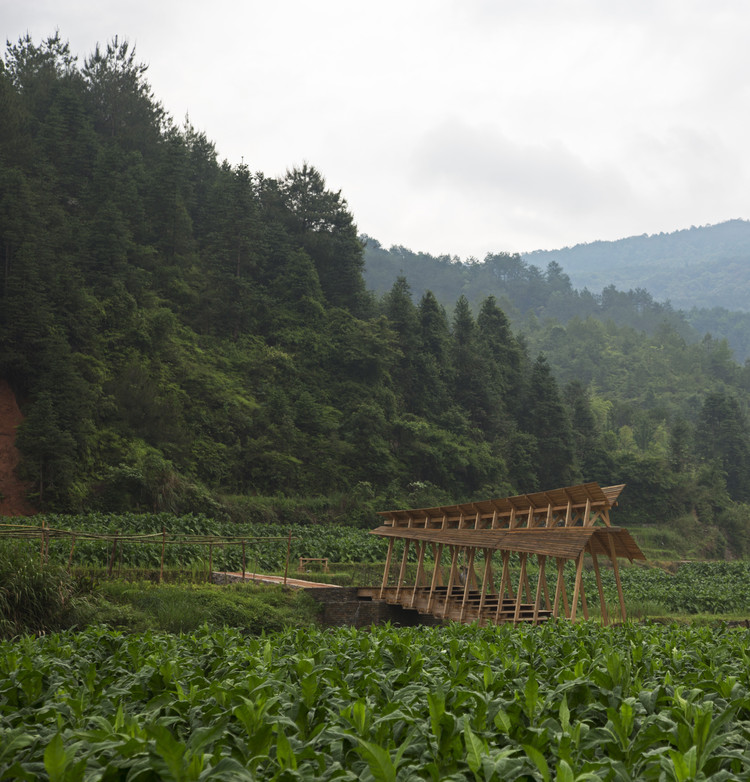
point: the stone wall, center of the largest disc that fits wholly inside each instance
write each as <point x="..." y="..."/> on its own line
<point x="341" y="606"/>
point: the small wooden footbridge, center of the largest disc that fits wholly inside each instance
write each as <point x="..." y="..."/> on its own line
<point x="459" y="549"/>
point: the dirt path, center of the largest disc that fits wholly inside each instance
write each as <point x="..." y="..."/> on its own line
<point x="13" y="500"/>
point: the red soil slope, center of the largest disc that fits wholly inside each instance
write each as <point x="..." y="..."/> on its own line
<point x="13" y="500"/>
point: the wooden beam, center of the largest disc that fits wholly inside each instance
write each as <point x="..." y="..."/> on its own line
<point x="387" y="567"/>
<point x="467" y="584"/>
<point x="584" y="603"/>
<point x="537" y="599"/>
<point x="501" y="594"/>
<point x="577" y="587"/>
<point x="486" y="579"/>
<point x="547" y="604"/>
<point x="418" y="579"/>
<point x="437" y="569"/>
<point x="616" y="567"/>
<point x="402" y="570"/>
<point x="522" y="577"/>
<point x="526" y="582"/>
<point x="560" y="589"/>
<point x="587" y="522"/>
<point x="435" y="575"/>
<point x="566" y="605"/>
<point x="451" y="578"/>
<point x="602" y="601"/>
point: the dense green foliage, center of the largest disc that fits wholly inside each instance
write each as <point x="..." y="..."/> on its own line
<point x="424" y="703"/>
<point x="177" y="328"/>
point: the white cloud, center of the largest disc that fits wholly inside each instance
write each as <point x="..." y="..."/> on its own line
<point x="458" y="126"/>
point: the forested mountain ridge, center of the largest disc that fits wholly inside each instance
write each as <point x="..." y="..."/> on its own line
<point x="522" y="286"/>
<point x="178" y="329"/>
<point x="701" y="267"/>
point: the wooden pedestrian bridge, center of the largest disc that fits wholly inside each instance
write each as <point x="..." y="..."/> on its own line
<point x="527" y="539"/>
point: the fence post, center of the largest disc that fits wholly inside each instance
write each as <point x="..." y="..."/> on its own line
<point x="288" y="552"/>
<point x="112" y="557"/>
<point x="70" y="556"/>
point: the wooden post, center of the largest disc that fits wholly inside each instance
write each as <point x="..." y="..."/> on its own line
<point x="70" y="556"/>
<point x="486" y="580"/>
<point x="547" y="604"/>
<point x="616" y="567"/>
<point x="451" y="578"/>
<point x="437" y="558"/>
<point x="244" y="560"/>
<point x="584" y="604"/>
<point x="559" y="586"/>
<point x="521" y="579"/>
<point x="602" y="601"/>
<point x="504" y="583"/>
<point x="435" y="573"/>
<point x="541" y="559"/>
<point x="577" y="587"/>
<point x="526" y="584"/>
<point x="387" y="567"/>
<point x="587" y="520"/>
<point x="418" y="579"/>
<point x="112" y="557"/>
<point x="467" y="583"/>
<point x="288" y="554"/>
<point x="163" y="547"/>
<point x="402" y="569"/>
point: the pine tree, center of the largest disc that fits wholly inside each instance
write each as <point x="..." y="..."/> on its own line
<point x="723" y="435"/>
<point x="546" y="419"/>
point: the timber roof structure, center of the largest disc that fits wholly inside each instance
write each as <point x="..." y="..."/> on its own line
<point x="560" y="526"/>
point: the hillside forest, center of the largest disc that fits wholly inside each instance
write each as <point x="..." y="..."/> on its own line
<point x="189" y="335"/>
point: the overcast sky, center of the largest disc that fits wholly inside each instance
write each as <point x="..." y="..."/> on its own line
<point x="457" y="126"/>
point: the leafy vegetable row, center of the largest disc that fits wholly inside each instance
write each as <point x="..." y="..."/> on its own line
<point x="560" y="702"/>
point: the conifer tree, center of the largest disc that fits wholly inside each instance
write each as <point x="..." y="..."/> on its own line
<point x="546" y="419"/>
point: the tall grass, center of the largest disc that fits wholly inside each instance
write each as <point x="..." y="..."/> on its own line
<point x="33" y="599"/>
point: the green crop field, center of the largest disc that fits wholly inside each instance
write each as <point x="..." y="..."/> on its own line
<point x="561" y="702"/>
<point x="337" y="542"/>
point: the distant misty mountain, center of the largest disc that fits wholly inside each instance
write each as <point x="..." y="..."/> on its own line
<point x="697" y="279"/>
<point x="702" y="267"/>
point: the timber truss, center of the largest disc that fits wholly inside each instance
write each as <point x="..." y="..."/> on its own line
<point x="460" y="548"/>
